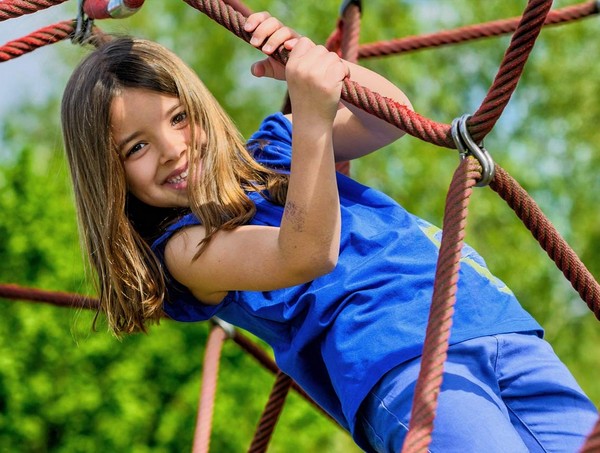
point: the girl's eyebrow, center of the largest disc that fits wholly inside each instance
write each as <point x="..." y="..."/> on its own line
<point x="127" y="139"/>
<point x="172" y="109"/>
<point x="135" y="134"/>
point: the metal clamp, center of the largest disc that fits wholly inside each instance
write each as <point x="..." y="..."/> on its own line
<point x="229" y="329"/>
<point x="119" y="9"/>
<point x="466" y="146"/>
<point x="83" y="26"/>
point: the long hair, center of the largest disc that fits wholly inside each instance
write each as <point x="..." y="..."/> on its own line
<point x="117" y="229"/>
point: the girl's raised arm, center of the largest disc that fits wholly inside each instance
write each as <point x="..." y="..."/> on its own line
<point x="355" y="132"/>
<point x="306" y="244"/>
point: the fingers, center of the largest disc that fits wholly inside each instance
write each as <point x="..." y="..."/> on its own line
<point x="315" y="79"/>
<point x="309" y="57"/>
<point x="268" y="34"/>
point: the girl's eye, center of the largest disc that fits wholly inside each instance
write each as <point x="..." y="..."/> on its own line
<point x="134" y="149"/>
<point x="179" y="118"/>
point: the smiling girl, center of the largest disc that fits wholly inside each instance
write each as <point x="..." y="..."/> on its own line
<point x="182" y="217"/>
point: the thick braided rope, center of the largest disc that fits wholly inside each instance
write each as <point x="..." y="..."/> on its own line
<point x="549" y="238"/>
<point x="44" y="36"/>
<point x="442" y="307"/>
<point x="472" y="32"/>
<point x="268" y="363"/>
<point x="592" y="443"/>
<point x="362" y="97"/>
<point x="239" y="6"/>
<point x="349" y="26"/>
<point x="511" y="68"/>
<point x="210" y="374"/>
<point x="350" y="33"/>
<point x="271" y="414"/>
<point x="16" y="8"/>
<point x="399" y="115"/>
<point x="39" y="38"/>
<point x="71" y="300"/>
<point x="60" y="299"/>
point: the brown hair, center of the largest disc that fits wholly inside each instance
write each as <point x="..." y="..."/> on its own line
<point x="116" y="229"/>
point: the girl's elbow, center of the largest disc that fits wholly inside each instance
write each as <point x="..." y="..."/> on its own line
<point x="314" y="267"/>
<point x="327" y="264"/>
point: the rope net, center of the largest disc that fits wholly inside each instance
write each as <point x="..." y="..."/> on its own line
<point x="344" y="40"/>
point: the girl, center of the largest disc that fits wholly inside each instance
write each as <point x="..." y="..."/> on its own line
<point x="179" y="216"/>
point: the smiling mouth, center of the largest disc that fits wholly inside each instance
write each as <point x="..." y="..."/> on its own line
<point x="179" y="178"/>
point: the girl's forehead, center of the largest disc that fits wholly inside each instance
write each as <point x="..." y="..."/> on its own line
<point x="136" y="109"/>
<point x="140" y="100"/>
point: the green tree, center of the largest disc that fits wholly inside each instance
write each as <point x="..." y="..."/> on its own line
<point x="66" y="389"/>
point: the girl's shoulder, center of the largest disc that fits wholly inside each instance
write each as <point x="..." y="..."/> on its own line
<point x="271" y="144"/>
<point x="275" y="127"/>
<point x="158" y="246"/>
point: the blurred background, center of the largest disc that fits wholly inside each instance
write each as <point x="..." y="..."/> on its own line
<point x="66" y="388"/>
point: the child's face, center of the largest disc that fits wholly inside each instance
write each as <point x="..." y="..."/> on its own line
<point x="152" y="134"/>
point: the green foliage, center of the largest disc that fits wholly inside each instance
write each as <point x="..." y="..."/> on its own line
<point x="64" y="388"/>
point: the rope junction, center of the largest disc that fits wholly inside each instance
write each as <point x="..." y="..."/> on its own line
<point x="475" y="168"/>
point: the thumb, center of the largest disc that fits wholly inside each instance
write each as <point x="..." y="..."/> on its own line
<point x="258" y="69"/>
<point x="268" y="68"/>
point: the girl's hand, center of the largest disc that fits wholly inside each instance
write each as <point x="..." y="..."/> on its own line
<point x="268" y="35"/>
<point x="315" y="77"/>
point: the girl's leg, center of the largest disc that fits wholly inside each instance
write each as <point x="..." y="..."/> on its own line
<point x="471" y="415"/>
<point x="545" y="404"/>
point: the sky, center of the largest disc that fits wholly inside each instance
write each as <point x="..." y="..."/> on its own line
<point x="30" y="76"/>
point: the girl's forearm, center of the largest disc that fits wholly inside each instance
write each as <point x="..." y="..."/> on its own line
<point x="310" y="228"/>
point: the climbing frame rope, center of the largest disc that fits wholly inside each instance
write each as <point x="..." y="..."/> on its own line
<point x="526" y="29"/>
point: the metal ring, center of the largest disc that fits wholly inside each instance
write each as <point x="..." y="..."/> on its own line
<point x="118" y="9"/>
<point x="229" y="329"/>
<point x="458" y="141"/>
<point x="467" y="146"/>
<point x="83" y="26"/>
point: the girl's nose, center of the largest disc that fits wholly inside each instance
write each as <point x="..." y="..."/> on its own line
<point x="172" y="148"/>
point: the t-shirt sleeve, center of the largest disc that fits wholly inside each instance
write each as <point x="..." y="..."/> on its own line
<point x="180" y="304"/>
<point x="271" y="145"/>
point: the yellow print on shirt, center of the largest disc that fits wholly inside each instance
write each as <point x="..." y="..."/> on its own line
<point x="469" y="256"/>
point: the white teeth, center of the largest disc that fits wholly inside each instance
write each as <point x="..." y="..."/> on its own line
<point x="179" y="178"/>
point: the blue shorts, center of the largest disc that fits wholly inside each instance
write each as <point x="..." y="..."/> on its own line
<point x="501" y="393"/>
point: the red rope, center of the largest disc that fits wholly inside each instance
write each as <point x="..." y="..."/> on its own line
<point x="592" y="444"/>
<point x="58" y="298"/>
<point x="39" y="38"/>
<point x="239" y="6"/>
<point x="549" y="238"/>
<point x="399" y="115"/>
<point x="438" y="331"/>
<point x="471" y="32"/>
<point x="16" y="8"/>
<point x="442" y="307"/>
<point x="349" y="27"/>
<point x="268" y="363"/>
<point x="350" y="32"/>
<point x="271" y="414"/>
<point x="511" y="68"/>
<point x="210" y="375"/>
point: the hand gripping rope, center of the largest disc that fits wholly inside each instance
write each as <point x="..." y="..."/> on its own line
<point x="476" y="168"/>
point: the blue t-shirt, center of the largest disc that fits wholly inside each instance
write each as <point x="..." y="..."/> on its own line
<point x="337" y="335"/>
